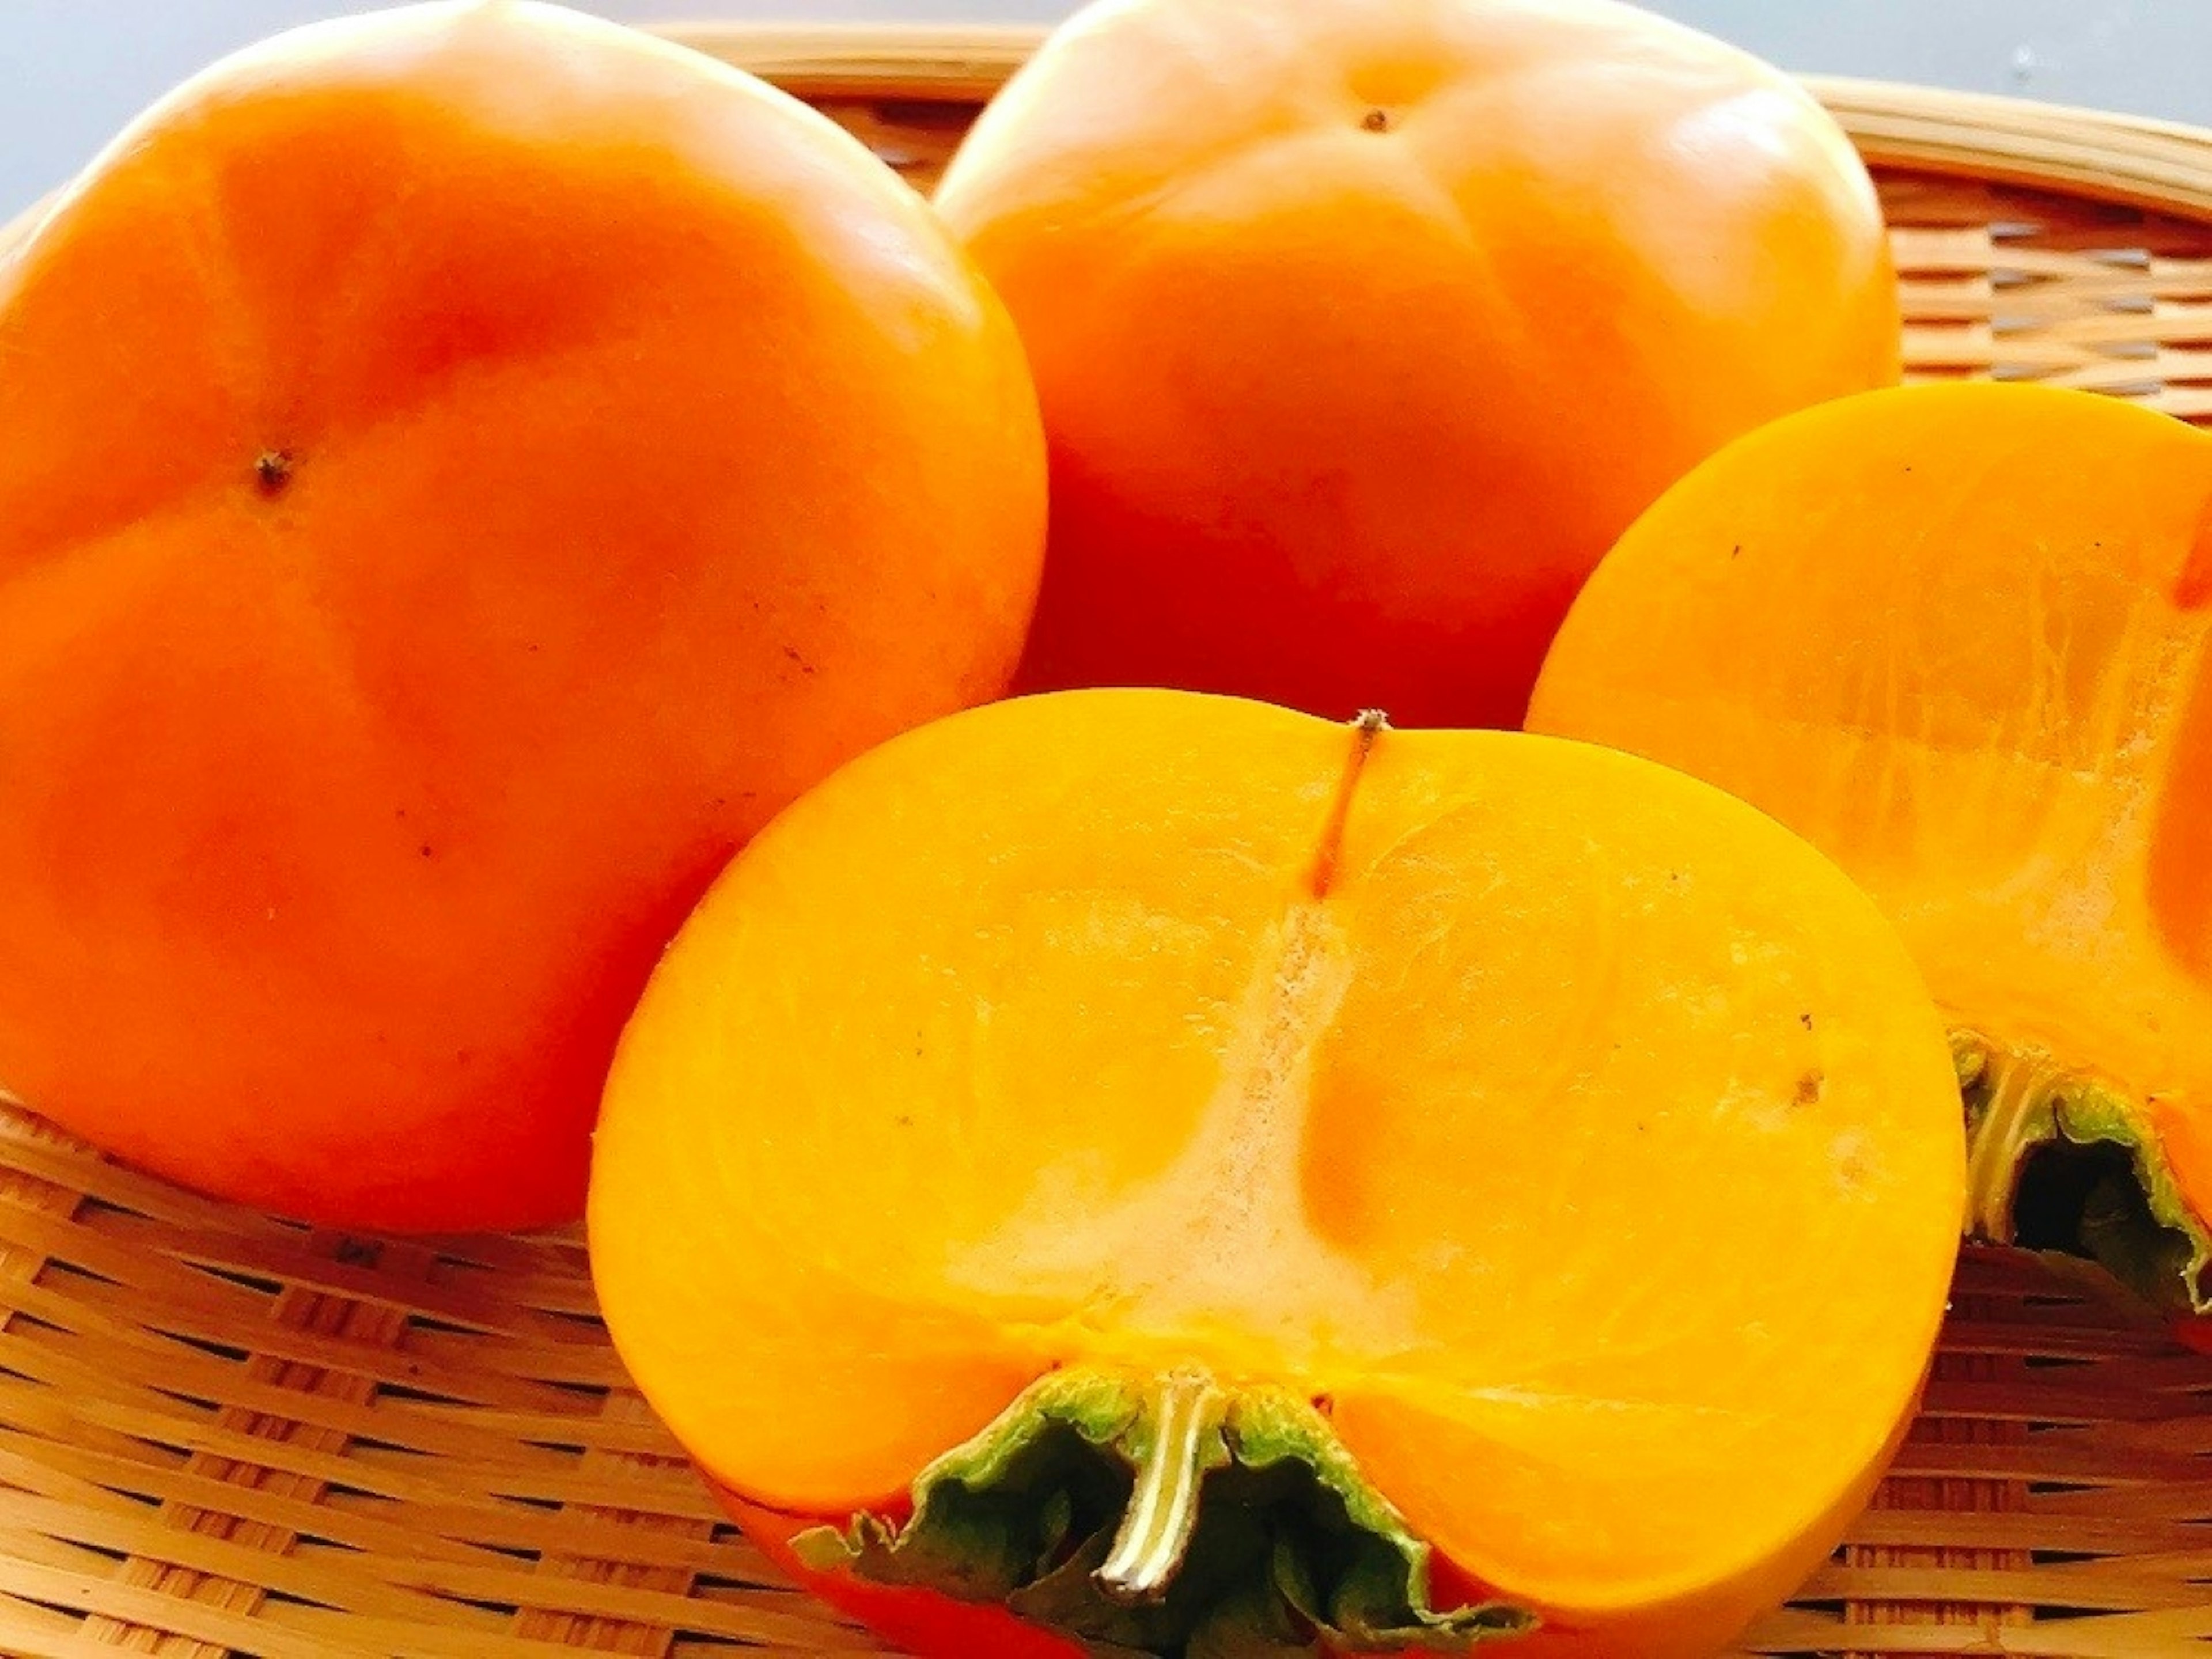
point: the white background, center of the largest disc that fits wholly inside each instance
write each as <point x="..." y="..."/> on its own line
<point x="71" y="72"/>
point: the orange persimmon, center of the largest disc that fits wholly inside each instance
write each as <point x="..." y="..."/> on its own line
<point x="462" y="469"/>
<point x="1169" y="1168"/>
<point x="1956" y="636"/>
<point x="1363" y="327"/>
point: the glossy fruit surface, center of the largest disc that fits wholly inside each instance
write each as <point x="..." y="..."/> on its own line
<point x="462" y="469"/>
<point x="1363" y="327"/>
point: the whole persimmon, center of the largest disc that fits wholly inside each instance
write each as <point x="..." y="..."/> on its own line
<point x="462" y="470"/>
<point x="1363" y="327"/>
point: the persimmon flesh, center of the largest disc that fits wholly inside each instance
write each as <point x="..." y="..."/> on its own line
<point x="1955" y="636"/>
<point x="462" y="469"/>
<point x="1552" y="1160"/>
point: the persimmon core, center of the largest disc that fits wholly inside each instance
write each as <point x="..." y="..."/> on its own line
<point x="1242" y="1174"/>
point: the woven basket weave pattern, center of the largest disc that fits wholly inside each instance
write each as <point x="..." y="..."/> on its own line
<point x="221" y="1434"/>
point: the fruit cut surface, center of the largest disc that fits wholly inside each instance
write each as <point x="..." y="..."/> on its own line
<point x="1955" y="636"/>
<point x="1585" y="1144"/>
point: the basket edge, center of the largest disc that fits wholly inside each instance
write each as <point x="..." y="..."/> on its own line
<point x="2164" y="166"/>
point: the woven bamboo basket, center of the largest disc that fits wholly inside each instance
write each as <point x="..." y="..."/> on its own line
<point x="221" y="1433"/>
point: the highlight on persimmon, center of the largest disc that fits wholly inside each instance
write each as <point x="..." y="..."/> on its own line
<point x="462" y="469"/>
<point x="1362" y="328"/>
<point x="1955" y="636"/>
<point x="1128" y="1170"/>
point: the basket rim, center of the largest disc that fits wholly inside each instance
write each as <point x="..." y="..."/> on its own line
<point x="2139" y="160"/>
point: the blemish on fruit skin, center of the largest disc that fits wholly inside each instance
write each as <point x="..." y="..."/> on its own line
<point x="1375" y="120"/>
<point x="1853" y="1168"/>
<point x="1810" y="1088"/>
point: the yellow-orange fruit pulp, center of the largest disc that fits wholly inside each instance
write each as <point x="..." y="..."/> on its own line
<point x="1553" y="1161"/>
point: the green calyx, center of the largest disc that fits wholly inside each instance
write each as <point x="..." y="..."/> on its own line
<point x="1170" y="1516"/>
<point x="2058" y="1161"/>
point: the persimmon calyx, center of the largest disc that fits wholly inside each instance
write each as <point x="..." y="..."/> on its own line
<point x="2059" y="1161"/>
<point x="1171" y="1516"/>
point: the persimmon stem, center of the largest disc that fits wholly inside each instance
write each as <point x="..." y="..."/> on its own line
<point x="1187" y="1411"/>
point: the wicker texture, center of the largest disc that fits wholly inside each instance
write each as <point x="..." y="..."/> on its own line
<point x="221" y="1433"/>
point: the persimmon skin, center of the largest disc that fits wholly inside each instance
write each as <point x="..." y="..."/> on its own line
<point x="1363" y="327"/>
<point x="462" y="469"/>
<point x="921" y="1622"/>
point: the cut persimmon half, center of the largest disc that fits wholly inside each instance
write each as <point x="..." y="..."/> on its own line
<point x="1955" y="636"/>
<point x="1137" y="1172"/>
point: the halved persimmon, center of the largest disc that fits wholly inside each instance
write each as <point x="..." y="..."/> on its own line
<point x="1177" y="1176"/>
<point x="1956" y="636"/>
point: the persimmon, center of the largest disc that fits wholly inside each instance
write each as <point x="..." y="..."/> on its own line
<point x="1363" y="327"/>
<point x="462" y="469"/>
<point x="1955" y="636"/>
<point x="1172" y="1172"/>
